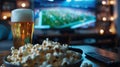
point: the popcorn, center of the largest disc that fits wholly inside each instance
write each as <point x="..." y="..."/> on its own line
<point x="49" y="65"/>
<point x="65" y="61"/>
<point x="45" y="63"/>
<point x="49" y="54"/>
<point x="71" y="59"/>
<point x="55" y="54"/>
<point x="12" y="48"/>
<point x="9" y="58"/>
<point x="2" y="65"/>
<point x="87" y="65"/>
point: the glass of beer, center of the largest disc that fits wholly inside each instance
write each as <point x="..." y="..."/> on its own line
<point x="22" y="25"/>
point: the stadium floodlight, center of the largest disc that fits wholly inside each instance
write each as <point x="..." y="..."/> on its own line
<point x="78" y="0"/>
<point x="68" y="0"/>
<point x="51" y="0"/>
<point x="84" y="0"/>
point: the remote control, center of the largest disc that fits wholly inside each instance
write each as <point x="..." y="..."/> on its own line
<point x="100" y="58"/>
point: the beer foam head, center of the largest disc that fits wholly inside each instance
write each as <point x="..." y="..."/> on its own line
<point x="22" y="15"/>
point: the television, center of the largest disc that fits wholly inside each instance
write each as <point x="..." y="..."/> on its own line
<point x="65" y="14"/>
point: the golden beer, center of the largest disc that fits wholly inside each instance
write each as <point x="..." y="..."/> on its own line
<point x="22" y="26"/>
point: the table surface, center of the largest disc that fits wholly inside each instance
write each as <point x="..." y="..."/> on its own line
<point x="85" y="48"/>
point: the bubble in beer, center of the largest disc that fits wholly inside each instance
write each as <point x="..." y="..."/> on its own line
<point x="22" y="15"/>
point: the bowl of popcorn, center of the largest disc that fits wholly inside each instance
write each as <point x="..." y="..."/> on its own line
<point x="48" y="54"/>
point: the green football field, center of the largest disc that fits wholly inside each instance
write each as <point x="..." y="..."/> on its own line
<point x="65" y="18"/>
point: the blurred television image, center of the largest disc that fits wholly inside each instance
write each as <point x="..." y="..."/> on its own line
<point x="66" y="14"/>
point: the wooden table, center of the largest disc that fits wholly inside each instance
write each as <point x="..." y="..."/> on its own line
<point x="2" y="55"/>
<point x="85" y="49"/>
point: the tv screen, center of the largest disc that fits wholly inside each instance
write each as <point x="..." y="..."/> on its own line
<point x="75" y="14"/>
